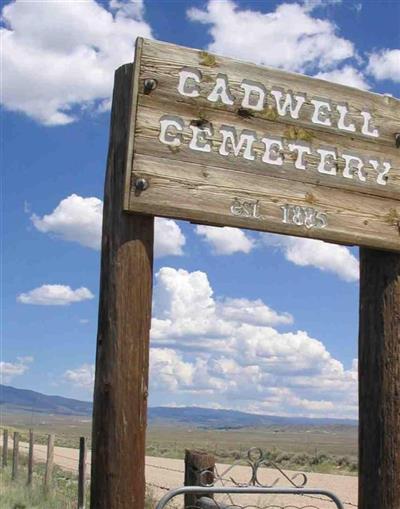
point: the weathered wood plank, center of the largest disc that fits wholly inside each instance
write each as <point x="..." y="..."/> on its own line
<point x="379" y="380"/>
<point x="196" y="134"/>
<point x="131" y="116"/>
<point x="164" y="61"/>
<point x="210" y="195"/>
<point x="148" y="129"/>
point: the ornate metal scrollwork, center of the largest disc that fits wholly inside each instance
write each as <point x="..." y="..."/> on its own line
<point x="256" y="460"/>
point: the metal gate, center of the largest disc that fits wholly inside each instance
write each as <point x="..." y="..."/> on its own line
<point x="204" y="502"/>
<point x="211" y="484"/>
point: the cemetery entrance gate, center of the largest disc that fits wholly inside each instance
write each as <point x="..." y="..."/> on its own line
<point x="215" y="141"/>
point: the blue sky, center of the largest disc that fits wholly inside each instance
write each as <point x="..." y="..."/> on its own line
<point x="271" y="320"/>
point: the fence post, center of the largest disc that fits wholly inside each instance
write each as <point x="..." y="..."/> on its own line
<point x="195" y="463"/>
<point x="49" y="463"/>
<point x="14" y="473"/>
<point x="5" y="448"/>
<point x="82" y="473"/>
<point x="30" y="458"/>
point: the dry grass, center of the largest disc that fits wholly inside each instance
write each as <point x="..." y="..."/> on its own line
<point x="15" y="494"/>
<point x="325" y="449"/>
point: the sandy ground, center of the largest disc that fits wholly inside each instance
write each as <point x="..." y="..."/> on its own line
<point x="164" y="473"/>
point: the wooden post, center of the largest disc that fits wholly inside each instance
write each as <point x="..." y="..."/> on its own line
<point x="379" y="380"/>
<point x="195" y="463"/>
<point x="5" y="448"/>
<point x="14" y="473"/>
<point x="82" y="473"/>
<point x="121" y="384"/>
<point x="48" y="476"/>
<point x="30" y="458"/>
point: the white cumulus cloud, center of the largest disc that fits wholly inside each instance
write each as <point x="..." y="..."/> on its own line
<point x="226" y="241"/>
<point x="79" y="219"/>
<point x="385" y="65"/>
<point x="310" y="5"/>
<point x="173" y="371"/>
<point x="227" y="352"/>
<point x="76" y="219"/>
<point x="253" y="312"/>
<point x="54" y="295"/>
<point x="315" y="253"/>
<point x="290" y="37"/>
<point x="168" y="238"/>
<point x="347" y="75"/>
<point x="185" y="309"/>
<point x="59" y="58"/>
<point x="9" y="370"/>
<point x="83" y="376"/>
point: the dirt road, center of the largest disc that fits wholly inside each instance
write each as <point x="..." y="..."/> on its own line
<point x="164" y="473"/>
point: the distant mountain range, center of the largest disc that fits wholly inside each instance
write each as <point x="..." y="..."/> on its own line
<point x="223" y="419"/>
<point x="22" y="400"/>
<point x="15" y="400"/>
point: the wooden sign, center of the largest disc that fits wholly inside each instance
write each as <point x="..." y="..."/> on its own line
<point x="218" y="141"/>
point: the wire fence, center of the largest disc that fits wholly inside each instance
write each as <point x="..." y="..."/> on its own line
<point x="66" y="463"/>
<point x="34" y="472"/>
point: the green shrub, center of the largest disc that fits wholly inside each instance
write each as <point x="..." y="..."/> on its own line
<point x="343" y="461"/>
<point x="284" y="457"/>
<point x="301" y="458"/>
<point x="321" y="457"/>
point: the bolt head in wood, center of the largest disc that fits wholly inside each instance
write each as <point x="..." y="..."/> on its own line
<point x="141" y="184"/>
<point x="149" y="85"/>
